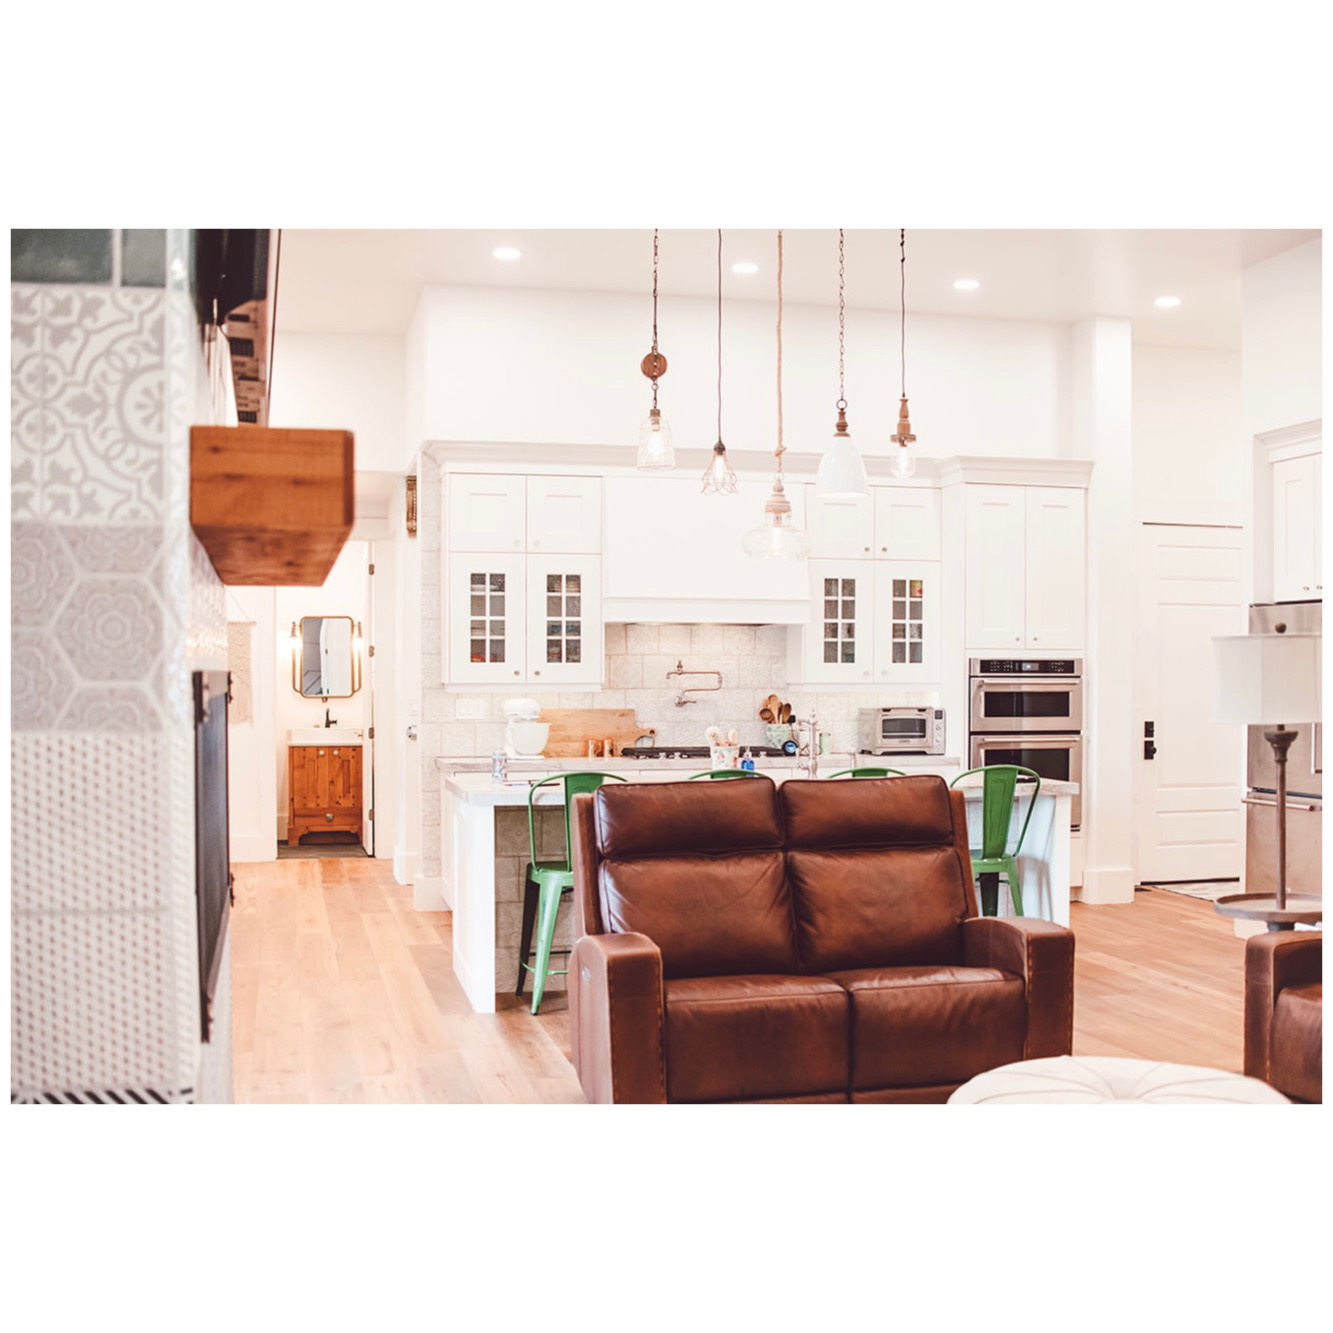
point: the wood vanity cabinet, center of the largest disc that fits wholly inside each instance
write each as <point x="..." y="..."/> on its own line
<point x="324" y="785"/>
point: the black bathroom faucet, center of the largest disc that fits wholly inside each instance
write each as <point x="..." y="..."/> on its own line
<point x="329" y="721"/>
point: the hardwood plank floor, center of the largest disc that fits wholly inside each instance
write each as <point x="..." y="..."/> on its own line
<point x="343" y="993"/>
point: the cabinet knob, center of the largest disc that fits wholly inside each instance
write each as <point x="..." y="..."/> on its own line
<point x="321" y="752"/>
<point x="536" y="673"/>
<point x="328" y="819"/>
<point x="516" y="673"/>
<point x="1305" y="587"/>
<point x="865" y="548"/>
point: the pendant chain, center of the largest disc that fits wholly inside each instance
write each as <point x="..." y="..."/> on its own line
<point x="654" y="312"/>
<point x="842" y="396"/>
<point x="782" y="448"/>
<point x="902" y="303"/>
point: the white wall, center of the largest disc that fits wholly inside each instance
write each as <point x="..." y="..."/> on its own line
<point x="1281" y="350"/>
<point x="1186" y="420"/>
<point x="331" y="381"/>
<point x="563" y="368"/>
<point x="252" y="780"/>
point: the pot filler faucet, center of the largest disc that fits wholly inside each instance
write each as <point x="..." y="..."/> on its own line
<point x="807" y="756"/>
<point x="681" y="700"/>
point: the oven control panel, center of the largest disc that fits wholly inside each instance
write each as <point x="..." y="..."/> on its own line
<point x="1025" y="666"/>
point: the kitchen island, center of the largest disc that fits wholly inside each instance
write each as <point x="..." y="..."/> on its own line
<point x="484" y="848"/>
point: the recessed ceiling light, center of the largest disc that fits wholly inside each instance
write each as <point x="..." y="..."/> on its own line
<point x="966" y="285"/>
<point x="745" y="267"/>
<point x="1166" y="301"/>
<point x="506" y="252"/>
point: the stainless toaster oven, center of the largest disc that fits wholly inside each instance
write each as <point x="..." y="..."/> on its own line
<point x="901" y="730"/>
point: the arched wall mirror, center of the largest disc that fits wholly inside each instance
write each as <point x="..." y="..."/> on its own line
<point x="326" y="662"/>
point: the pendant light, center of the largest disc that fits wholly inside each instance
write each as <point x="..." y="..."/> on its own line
<point x="656" y="452"/>
<point x="903" y="464"/>
<point x="719" y="479"/>
<point x="776" y="538"/>
<point x="841" y="473"/>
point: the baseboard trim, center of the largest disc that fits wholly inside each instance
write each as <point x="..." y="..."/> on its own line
<point x="1107" y="884"/>
<point x="428" y="894"/>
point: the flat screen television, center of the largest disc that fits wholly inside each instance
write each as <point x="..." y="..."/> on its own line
<point x="213" y="882"/>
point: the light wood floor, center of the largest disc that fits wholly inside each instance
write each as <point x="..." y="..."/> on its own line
<point x="343" y="993"/>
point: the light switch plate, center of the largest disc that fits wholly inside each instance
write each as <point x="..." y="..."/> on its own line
<point x="468" y="708"/>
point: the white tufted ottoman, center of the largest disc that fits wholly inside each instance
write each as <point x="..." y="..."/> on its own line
<point x="1104" y="1078"/>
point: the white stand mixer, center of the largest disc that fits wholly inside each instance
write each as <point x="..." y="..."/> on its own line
<point x="525" y="736"/>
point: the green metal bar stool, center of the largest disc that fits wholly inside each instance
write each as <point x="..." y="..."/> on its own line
<point x="868" y="773"/>
<point x="997" y="809"/>
<point x="726" y="773"/>
<point x="546" y="882"/>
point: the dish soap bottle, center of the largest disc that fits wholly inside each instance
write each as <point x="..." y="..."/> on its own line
<point x="747" y="760"/>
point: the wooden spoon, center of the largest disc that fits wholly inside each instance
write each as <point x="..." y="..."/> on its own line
<point x="766" y="715"/>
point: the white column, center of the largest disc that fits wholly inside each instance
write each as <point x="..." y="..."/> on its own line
<point x="1102" y="400"/>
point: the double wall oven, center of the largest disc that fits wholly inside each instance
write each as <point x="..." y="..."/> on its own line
<point x="1029" y="711"/>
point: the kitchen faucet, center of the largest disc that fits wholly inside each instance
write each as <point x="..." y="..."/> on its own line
<point x="807" y="756"/>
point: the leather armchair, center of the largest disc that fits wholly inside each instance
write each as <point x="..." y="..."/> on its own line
<point x="1284" y="1012"/>
<point x="814" y="942"/>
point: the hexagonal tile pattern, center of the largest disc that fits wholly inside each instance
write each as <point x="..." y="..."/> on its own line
<point x="39" y="681"/>
<point x="114" y="550"/>
<point x="40" y="572"/>
<point x="111" y="708"/>
<point x="111" y="629"/>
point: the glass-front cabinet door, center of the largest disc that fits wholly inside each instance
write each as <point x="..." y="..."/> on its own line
<point x="487" y="619"/>
<point x="839" y="641"/>
<point x="564" y="620"/>
<point x="907" y="621"/>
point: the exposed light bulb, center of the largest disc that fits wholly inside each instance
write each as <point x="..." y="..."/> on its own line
<point x="719" y="479"/>
<point x="777" y="537"/>
<point x="656" y="452"/>
<point x="902" y="464"/>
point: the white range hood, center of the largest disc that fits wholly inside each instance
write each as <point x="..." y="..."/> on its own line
<point x="672" y="555"/>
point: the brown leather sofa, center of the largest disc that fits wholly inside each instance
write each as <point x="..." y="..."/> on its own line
<point x="809" y="942"/>
<point x="1284" y="1012"/>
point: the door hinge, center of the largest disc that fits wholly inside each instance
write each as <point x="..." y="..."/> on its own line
<point x="371" y="567"/>
<point x="370" y="733"/>
<point x="371" y="816"/>
<point x="370" y="651"/>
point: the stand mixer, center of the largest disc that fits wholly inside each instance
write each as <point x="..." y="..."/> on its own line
<point x="525" y="736"/>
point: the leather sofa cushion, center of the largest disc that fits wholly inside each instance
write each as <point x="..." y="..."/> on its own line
<point x="921" y="1026"/>
<point x="756" y="1037"/>
<point x="646" y="818"/>
<point x="1296" y="1062"/>
<point x="710" y="916"/>
<point x="875" y="871"/>
<point x="867" y="812"/>
<point x="863" y="908"/>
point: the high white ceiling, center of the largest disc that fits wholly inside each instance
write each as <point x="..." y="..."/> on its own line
<point x="368" y="281"/>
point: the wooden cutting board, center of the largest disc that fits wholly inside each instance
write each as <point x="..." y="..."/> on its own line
<point x="573" y="728"/>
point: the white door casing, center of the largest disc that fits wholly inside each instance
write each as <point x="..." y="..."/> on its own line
<point x="1189" y="821"/>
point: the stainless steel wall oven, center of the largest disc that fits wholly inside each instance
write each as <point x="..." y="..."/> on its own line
<point x="1029" y="711"/>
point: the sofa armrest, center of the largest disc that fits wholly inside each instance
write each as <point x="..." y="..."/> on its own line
<point x="616" y="1018"/>
<point x="1042" y="953"/>
<point x="1274" y="961"/>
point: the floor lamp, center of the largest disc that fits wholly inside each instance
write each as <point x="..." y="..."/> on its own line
<point x="1271" y="680"/>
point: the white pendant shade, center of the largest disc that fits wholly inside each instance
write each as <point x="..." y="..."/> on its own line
<point x="1268" y="679"/>
<point x="841" y="471"/>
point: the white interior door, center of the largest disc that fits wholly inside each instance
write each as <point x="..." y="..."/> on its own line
<point x="1190" y="772"/>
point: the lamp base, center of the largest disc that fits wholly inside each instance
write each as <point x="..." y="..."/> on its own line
<point x="1303" y="908"/>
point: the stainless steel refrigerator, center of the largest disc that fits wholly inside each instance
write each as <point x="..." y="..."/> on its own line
<point x="1305" y="780"/>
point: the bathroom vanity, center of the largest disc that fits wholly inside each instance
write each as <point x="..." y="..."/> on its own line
<point x="324" y="787"/>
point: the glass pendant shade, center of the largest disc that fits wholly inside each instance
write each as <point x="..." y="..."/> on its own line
<point x="656" y="452"/>
<point x="902" y="464"/>
<point x="777" y="537"/>
<point x="842" y="472"/>
<point x="719" y="479"/>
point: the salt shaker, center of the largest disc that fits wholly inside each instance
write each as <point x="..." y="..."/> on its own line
<point x="499" y="766"/>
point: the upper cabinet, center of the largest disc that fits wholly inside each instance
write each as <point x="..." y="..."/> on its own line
<point x="1297" y="518"/>
<point x="891" y="523"/>
<point x="1025" y="567"/>
<point x="496" y="513"/>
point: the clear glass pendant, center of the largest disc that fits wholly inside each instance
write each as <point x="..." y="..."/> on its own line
<point x="777" y="537"/>
<point x="656" y="452"/>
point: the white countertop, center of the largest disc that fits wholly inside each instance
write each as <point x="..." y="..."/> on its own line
<point x="476" y="787"/>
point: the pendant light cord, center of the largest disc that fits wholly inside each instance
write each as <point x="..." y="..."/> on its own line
<point x="902" y="303"/>
<point x="719" y="334"/>
<point x="842" y="395"/>
<point x="782" y="448"/>
<point x="654" y="312"/>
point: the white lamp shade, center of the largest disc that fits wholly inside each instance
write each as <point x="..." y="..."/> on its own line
<point x="841" y="471"/>
<point x="1267" y="679"/>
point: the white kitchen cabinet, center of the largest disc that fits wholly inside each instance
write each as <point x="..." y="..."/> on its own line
<point x="841" y="527"/>
<point x="1024" y="567"/>
<point x="1297" y="519"/>
<point x="485" y="513"/>
<point x="874" y="622"/>
<point x="564" y="514"/>
<point x="907" y="522"/>
<point x="513" y="513"/>
<point x="516" y="619"/>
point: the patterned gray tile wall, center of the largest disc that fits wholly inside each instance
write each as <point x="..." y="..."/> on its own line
<point x="112" y="604"/>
